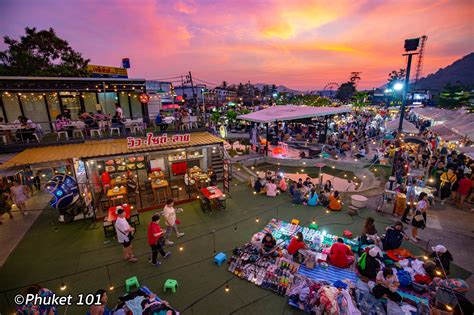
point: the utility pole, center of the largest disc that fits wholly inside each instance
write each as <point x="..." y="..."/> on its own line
<point x="190" y="80"/>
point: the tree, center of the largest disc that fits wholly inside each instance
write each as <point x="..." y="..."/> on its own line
<point x="454" y="96"/>
<point x="360" y="99"/>
<point x="396" y="76"/>
<point x="355" y="77"/>
<point x="41" y="53"/>
<point x="345" y="91"/>
<point x="224" y="84"/>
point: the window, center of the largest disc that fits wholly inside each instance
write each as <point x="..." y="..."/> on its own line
<point x="90" y="102"/>
<point x="34" y="108"/>
<point x="125" y="105"/>
<point x="136" y="106"/>
<point x="71" y="102"/>
<point x="12" y="107"/>
<point x="108" y="100"/>
<point x="53" y="105"/>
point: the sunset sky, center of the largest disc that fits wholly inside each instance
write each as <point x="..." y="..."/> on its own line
<point x="300" y="44"/>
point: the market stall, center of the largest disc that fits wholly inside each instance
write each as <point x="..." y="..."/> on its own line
<point x="314" y="286"/>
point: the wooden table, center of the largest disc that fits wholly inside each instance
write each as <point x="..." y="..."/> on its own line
<point x="114" y="182"/>
<point x="121" y="194"/>
<point x="112" y="216"/>
<point x="163" y="184"/>
<point x="159" y="175"/>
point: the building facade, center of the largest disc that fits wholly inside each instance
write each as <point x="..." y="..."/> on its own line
<point x="42" y="99"/>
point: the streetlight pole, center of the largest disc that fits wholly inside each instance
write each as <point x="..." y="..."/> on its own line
<point x="406" y="85"/>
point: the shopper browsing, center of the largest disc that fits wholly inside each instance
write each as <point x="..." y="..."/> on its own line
<point x="156" y="240"/>
<point x="442" y="257"/>
<point x="419" y="219"/>
<point x="125" y="235"/>
<point x="169" y="213"/>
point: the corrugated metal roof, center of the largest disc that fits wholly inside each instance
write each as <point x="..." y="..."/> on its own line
<point x="98" y="148"/>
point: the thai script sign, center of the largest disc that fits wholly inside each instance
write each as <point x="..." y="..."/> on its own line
<point x="155" y="141"/>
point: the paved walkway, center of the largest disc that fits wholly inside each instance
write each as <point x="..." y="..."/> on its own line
<point x="13" y="230"/>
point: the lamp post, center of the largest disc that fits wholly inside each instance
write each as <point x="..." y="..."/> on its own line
<point x="411" y="45"/>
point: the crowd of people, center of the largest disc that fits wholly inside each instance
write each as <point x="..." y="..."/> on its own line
<point x="301" y="192"/>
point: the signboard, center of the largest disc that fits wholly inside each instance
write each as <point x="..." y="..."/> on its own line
<point x="107" y="72"/>
<point x="126" y="63"/>
<point x="226" y="175"/>
<point x="144" y="98"/>
<point x="156" y="141"/>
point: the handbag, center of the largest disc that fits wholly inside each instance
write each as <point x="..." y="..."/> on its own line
<point x="177" y="222"/>
<point x="419" y="217"/>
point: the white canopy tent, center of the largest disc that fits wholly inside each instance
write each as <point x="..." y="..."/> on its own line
<point x="408" y="127"/>
<point x="292" y="112"/>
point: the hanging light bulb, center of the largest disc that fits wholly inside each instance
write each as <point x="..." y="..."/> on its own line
<point x="111" y="288"/>
<point x="63" y="286"/>
<point x="226" y="289"/>
<point x="181" y="248"/>
<point x="257" y="220"/>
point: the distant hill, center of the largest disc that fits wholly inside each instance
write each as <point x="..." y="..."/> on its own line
<point x="280" y="88"/>
<point x="461" y="70"/>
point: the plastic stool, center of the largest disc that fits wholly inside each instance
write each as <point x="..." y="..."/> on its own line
<point x="347" y="234"/>
<point x="313" y="226"/>
<point x="295" y="221"/>
<point x="220" y="258"/>
<point x="130" y="283"/>
<point x="171" y="284"/>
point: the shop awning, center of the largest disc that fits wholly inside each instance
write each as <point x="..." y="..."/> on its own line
<point x="292" y="112"/>
<point x="99" y="148"/>
<point x="408" y="127"/>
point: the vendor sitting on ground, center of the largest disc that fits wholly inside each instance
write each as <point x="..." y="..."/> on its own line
<point x="394" y="236"/>
<point x="259" y="187"/>
<point x="268" y="245"/>
<point x="442" y="257"/>
<point x="368" y="264"/>
<point x="340" y="255"/>
<point x="282" y="184"/>
<point x="312" y="198"/>
<point x="387" y="285"/>
<point x="295" y="245"/>
<point x="335" y="203"/>
<point x="272" y="190"/>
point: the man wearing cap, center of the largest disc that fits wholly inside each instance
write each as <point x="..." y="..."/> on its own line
<point x="442" y="257"/>
<point x="125" y="235"/>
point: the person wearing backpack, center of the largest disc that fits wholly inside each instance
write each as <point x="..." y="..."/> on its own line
<point x="368" y="264"/>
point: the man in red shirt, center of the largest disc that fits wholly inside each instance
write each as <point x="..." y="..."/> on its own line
<point x="465" y="185"/>
<point x="340" y="254"/>
<point x="155" y="237"/>
<point x="295" y="245"/>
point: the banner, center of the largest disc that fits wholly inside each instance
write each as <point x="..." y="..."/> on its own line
<point x="156" y="141"/>
<point x="107" y="72"/>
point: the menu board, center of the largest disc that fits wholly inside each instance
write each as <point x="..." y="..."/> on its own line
<point x="124" y="164"/>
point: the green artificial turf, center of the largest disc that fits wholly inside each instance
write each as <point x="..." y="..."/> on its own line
<point x="76" y="255"/>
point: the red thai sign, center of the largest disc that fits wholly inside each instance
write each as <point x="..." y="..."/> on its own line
<point x="155" y="141"/>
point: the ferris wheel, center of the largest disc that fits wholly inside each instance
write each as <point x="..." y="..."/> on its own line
<point x="331" y="87"/>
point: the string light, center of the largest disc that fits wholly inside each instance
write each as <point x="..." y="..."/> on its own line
<point x="181" y="248"/>
<point x="438" y="272"/>
<point x="425" y="257"/>
<point x="449" y="307"/>
<point x="226" y="289"/>
<point x="63" y="286"/>
<point x="257" y="220"/>
<point x="111" y="288"/>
